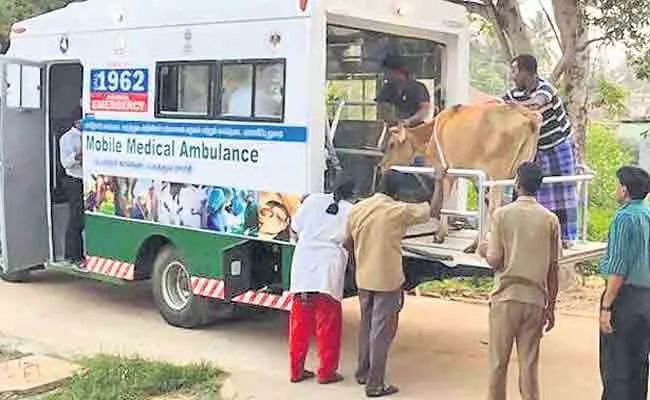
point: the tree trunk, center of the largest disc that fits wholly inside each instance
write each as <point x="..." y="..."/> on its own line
<point x="574" y="67"/>
<point x="510" y="21"/>
<point x="575" y="83"/>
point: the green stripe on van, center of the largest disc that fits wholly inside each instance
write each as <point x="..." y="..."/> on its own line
<point x="121" y="239"/>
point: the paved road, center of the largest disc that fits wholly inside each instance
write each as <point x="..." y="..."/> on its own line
<point x="439" y="352"/>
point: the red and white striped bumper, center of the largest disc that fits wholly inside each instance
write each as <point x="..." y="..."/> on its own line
<point x="112" y="268"/>
<point x="214" y="288"/>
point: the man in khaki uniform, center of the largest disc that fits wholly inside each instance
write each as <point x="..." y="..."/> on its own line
<point x="524" y="249"/>
<point x="377" y="226"/>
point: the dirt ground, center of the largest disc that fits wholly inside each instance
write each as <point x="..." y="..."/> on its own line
<point x="440" y="351"/>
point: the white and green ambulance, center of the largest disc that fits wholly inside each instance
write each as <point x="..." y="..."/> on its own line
<point x="204" y="125"/>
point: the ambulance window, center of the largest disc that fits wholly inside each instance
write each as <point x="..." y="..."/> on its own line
<point x="237" y="90"/>
<point x="23" y="86"/>
<point x="269" y="91"/>
<point x="253" y="90"/>
<point x="184" y="89"/>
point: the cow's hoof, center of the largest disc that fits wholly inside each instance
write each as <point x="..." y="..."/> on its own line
<point x="438" y="239"/>
<point x="471" y="249"/>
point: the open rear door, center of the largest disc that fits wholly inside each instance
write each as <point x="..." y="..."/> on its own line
<point x="24" y="234"/>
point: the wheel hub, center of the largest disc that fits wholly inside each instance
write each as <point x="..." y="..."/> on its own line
<point x="175" y="283"/>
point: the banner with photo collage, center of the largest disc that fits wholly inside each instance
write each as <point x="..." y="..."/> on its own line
<point x="262" y="215"/>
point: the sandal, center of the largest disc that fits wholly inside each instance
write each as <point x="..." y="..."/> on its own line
<point x="305" y="376"/>
<point x="336" y="378"/>
<point x="383" y="392"/>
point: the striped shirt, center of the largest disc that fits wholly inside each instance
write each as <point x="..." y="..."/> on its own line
<point x="628" y="245"/>
<point x="556" y="125"/>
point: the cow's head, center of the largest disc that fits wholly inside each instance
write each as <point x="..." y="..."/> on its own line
<point x="398" y="150"/>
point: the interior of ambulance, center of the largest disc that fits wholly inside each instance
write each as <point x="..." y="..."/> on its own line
<point x="65" y="85"/>
<point x="355" y="75"/>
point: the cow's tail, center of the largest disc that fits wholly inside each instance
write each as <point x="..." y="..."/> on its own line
<point x="436" y="142"/>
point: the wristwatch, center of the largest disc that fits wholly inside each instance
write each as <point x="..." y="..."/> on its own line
<point x="606" y="309"/>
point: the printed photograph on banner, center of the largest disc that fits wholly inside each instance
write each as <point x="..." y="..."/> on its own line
<point x="263" y="215"/>
<point x="123" y="197"/>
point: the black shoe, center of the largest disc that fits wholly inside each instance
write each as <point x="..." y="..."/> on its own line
<point x="383" y="392"/>
<point x="362" y="381"/>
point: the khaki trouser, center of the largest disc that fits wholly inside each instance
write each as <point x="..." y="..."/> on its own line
<point x="512" y="322"/>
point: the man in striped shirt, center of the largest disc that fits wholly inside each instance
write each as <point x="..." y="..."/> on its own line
<point x="625" y="305"/>
<point x="555" y="148"/>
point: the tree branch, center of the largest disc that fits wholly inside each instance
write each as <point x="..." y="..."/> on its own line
<point x="475" y="7"/>
<point x="561" y="65"/>
<point x="551" y="23"/>
<point x="589" y="42"/>
<point x="506" y="44"/>
<point x="566" y="16"/>
<point x="487" y="10"/>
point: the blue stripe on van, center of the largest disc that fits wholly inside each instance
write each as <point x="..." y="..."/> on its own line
<point x="275" y="133"/>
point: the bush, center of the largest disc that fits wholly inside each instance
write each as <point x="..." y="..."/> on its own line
<point x="599" y="220"/>
<point x="605" y="153"/>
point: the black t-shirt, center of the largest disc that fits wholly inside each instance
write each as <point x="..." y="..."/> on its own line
<point x="406" y="97"/>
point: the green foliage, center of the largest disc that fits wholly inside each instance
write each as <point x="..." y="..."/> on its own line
<point x="611" y="97"/>
<point x="111" y="378"/>
<point x="12" y="11"/>
<point x="627" y="23"/>
<point x="640" y="61"/>
<point x="488" y="69"/>
<point x="605" y="154"/>
<point x="486" y="75"/>
<point x="479" y="288"/>
<point x="472" y="198"/>
<point x="599" y="220"/>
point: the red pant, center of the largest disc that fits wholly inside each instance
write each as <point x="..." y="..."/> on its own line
<point x="317" y="314"/>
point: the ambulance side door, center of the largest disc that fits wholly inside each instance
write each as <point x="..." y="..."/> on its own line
<point x="24" y="232"/>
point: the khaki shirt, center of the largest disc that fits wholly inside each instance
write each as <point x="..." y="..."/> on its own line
<point x="377" y="226"/>
<point x="527" y="237"/>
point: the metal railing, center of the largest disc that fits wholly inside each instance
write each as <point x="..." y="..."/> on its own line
<point x="480" y="180"/>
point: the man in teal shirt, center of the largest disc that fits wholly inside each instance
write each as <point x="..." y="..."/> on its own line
<point x="625" y="306"/>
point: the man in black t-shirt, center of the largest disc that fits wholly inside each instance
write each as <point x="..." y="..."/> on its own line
<point x="410" y="98"/>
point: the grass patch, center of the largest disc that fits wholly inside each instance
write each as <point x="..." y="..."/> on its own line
<point x="475" y="288"/>
<point x="121" y="378"/>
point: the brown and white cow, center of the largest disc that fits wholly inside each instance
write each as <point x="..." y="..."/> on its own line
<point x="492" y="137"/>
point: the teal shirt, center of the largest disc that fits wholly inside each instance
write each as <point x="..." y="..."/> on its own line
<point x="628" y="245"/>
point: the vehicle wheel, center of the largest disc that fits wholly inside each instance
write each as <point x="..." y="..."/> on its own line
<point x="15" y="277"/>
<point x="172" y="292"/>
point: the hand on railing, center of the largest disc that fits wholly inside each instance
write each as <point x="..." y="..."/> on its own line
<point x="586" y="169"/>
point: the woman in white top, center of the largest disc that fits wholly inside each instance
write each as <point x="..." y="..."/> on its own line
<point x="317" y="279"/>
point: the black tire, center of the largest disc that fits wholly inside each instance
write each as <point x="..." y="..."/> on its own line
<point x="15" y="277"/>
<point x="196" y="312"/>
